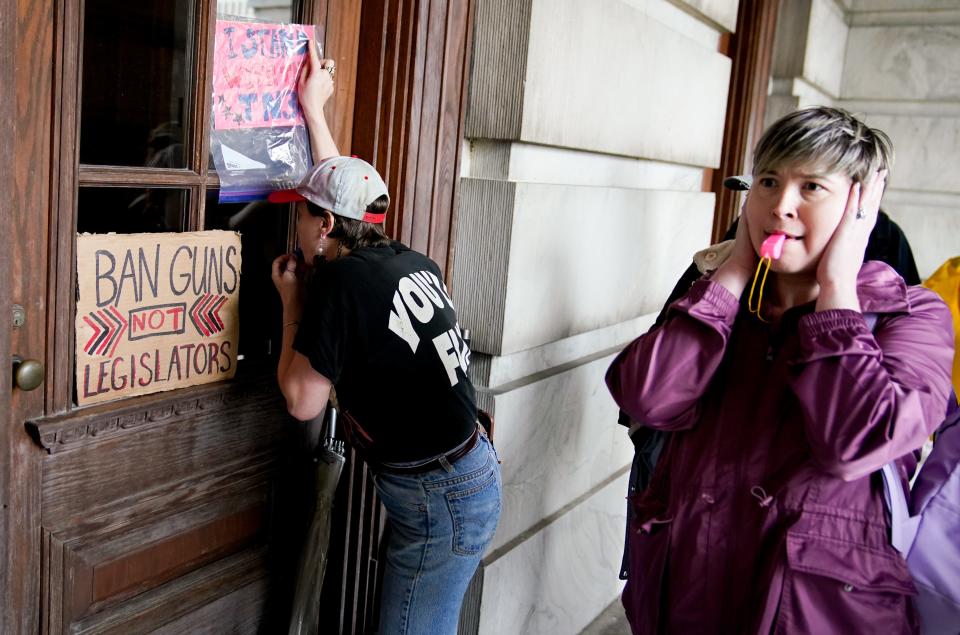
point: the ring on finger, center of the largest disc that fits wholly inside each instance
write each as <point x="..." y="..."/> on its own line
<point x="332" y="70"/>
<point x="861" y="213"/>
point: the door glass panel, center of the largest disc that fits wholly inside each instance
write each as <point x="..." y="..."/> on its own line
<point x="263" y="226"/>
<point x="261" y="10"/>
<point x="137" y="73"/>
<point x="130" y="210"/>
<point x="263" y="234"/>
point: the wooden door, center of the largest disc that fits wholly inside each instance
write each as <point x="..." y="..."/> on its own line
<point x="15" y="516"/>
<point x="182" y="511"/>
<point x="175" y="512"/>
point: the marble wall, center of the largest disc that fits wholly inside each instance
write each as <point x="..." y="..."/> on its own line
<point x="902" y="70"/>
<point x="589" y="130"/>
<point x="899" y="68"/>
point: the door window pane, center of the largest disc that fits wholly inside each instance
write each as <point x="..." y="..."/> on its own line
<point x="137" y="73"/>
<point x="263" y="226"/>
<point x="130" y="210"/>
<point x="262" y="10"/>
<point x="263" y="234"/>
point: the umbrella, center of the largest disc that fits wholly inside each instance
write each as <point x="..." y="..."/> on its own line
<point x="329" y="457"/>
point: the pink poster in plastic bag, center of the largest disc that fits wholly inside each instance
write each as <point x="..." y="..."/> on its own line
<point x="255" y="70"/>
<point x="258" y="140"/>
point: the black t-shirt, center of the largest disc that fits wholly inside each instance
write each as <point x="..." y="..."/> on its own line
<point x="380" y="325"/>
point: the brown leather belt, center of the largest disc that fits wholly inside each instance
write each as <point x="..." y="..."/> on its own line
<point x="449" y="459"/>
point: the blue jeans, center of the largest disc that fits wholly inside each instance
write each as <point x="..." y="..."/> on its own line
<point x="440" y="524"/>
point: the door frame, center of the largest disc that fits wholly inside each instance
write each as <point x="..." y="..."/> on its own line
<point x="26" y="178"/>
<point x="11" y="618"/>
<point x="751" y="52"/>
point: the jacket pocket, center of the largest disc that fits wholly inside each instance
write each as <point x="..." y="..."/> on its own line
<point x="835" y="586"/>
<point x="649" y="548"/>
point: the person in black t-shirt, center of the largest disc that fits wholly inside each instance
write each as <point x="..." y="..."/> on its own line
<point x="376" y="322"/>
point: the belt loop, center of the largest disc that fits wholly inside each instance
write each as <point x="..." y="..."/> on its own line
<point x="445" y="464"/>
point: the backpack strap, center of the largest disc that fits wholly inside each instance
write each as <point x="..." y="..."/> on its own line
<point x="903" y="526"/>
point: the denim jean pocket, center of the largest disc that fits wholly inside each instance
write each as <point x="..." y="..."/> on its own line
<point x="475" y="509"/>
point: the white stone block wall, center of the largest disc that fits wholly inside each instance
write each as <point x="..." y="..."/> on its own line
<point x="809" y="46"/>
<point x="898" y="68"/>
<point x="589" y="126"/>
<point x="902" y="72"/>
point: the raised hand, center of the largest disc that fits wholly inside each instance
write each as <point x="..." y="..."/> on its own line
<point x="315" y="85"/>
<point x="843" y="255"/>
<point x="289" y="284"/>
<point x="738" y="269"/>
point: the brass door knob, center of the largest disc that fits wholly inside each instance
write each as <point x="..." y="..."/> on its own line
<point x="27" y="373"/>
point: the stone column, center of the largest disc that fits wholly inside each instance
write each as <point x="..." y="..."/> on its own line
<point x="590" y="126"/>
<point x="808" y="51"/>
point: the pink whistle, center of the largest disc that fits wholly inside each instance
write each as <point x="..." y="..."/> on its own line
<point x="772" y="247"/>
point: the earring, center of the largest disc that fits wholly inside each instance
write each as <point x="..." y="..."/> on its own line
<point x="320" y="246"/>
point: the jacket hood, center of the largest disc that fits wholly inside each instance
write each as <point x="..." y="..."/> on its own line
<point x="881" y="289"/>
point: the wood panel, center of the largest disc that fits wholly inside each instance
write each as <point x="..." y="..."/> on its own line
<point x="10" y="620"/>
<point x="152" y="443"/>
<point x="60" y="293"/>
<point x="28" y="120"/>
<point x="751" y="51"/>
<point x="32" y="185"/>
<point x="155" y="507"/>
<point x="408" y="119"/>
<point x="237" y="612"/>
<point x="199" y="593"/>
<point x="341" y="42"/>
<point x="451" y="101"/>
<point x="168" y="557"/>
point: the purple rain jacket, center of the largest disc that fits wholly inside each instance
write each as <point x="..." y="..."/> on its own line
<point x="764" y="513"/>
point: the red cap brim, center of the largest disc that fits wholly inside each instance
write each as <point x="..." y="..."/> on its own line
<point x="284" y="196"/>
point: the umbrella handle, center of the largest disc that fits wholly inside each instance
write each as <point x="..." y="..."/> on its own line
<point x="331" y="422"/>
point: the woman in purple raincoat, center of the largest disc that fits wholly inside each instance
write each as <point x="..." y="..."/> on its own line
<point x="764" y="513"/>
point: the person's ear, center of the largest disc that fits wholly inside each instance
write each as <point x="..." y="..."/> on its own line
<point x="326" y="222"/>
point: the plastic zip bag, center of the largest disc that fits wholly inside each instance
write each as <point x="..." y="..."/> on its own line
<point x="258" y="139"/>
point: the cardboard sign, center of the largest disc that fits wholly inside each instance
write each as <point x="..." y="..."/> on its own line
<point x="255" y="70"/>
<point x="155" y="312"/>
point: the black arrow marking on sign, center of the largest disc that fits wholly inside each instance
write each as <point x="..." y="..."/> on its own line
<point x="103" y="335"/>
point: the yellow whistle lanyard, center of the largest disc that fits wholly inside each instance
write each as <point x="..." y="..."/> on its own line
<point x="753" y="286"/>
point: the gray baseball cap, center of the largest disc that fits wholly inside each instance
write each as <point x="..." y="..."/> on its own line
<point x="342" y="185"/>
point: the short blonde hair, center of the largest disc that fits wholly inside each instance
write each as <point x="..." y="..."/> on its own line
<point x="825" y="138"/>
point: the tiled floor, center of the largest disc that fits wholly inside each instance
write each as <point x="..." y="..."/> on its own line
<point x="612" y="621"/>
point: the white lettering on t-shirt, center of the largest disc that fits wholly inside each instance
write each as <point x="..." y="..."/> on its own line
<point x="416" y="295"/>
<point x="463" y="351"/>
<point x="400" y="323"/>
<point x="415" y="300"/>
<point x="450" y="347"/>
<point x="448" y="356"/>
<point x="424" y="283"/>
